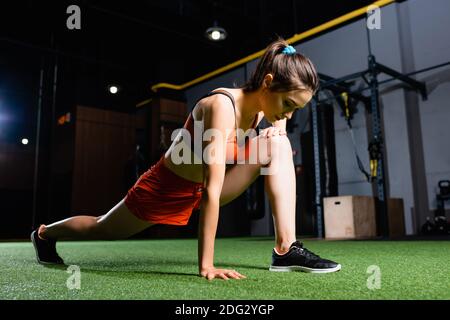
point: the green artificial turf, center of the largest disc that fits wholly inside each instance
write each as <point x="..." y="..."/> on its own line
<point x="167" y="269"/>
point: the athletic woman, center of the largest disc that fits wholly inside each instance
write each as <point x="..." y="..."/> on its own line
<point x="208" y="174"/>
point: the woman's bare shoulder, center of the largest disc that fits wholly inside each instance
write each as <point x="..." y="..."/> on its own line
<point x="220" y="105"/>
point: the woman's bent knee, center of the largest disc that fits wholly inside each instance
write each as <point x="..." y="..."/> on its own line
<point x="271" y="147"/>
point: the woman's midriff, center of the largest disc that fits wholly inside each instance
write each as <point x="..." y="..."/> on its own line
<point x="191" y="172"/>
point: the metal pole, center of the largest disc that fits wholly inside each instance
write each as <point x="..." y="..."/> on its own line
<point x="52" y="141"/>
<point x="369" y="43"/>
<point x="317" y="173"/>
<point x="36" y="153"/>
<point x="381" y="201"/>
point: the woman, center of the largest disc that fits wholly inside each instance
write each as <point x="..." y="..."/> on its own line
<point x="199" y="178"/>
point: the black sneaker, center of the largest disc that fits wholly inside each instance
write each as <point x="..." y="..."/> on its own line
<point x="45" y="250"/>
<point x="299" y="258"/>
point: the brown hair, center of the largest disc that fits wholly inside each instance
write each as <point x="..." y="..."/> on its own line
<point x="290" y="71"/>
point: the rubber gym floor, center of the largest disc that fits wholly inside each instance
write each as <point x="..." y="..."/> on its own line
<point x="167" y="269"/>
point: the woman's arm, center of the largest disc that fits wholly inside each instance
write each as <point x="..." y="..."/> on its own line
<point x="217" y="117"/>
<point x="209" y="216"/>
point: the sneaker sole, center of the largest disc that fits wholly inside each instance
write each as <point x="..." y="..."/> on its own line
<point x="36" y="251"/>
<point x="304" y="269"/>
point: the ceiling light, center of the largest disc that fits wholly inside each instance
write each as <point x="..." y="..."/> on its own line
<point x="113" y="89"/>
<point x="216" y="33"/>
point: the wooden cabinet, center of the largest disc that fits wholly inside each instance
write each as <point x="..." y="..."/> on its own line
<point x="104" y="141"/>
<point x="164" y="116"/>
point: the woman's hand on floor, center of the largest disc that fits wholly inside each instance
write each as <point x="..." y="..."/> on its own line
<point x="225" y="274"/>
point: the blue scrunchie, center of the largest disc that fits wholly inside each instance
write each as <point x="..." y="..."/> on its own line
<point x="289" y="50"/>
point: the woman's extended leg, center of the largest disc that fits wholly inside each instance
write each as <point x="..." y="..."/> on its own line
<point x="118" y="223"/>
<point x="280" y="186"/>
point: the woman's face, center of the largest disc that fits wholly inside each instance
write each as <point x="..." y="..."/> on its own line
<point x="279" y="105"/>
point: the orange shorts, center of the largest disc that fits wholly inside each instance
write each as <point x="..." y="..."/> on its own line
<point x="162" y="197"/>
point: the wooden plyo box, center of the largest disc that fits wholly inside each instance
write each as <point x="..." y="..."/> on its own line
<point x="353" y="217"/>
<point x="349" y="217"/>
<point x="396" y="217"/>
